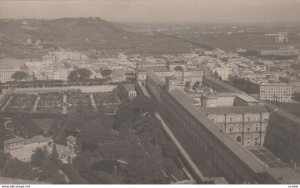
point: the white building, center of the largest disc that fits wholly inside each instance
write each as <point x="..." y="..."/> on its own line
<point x="22" y="149"/>
<point x="67" y="153"/>
<point x="223" y="72"/>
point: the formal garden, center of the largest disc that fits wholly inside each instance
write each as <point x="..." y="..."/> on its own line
<point x="50" y="103"/>
<point x="21" y="103"/>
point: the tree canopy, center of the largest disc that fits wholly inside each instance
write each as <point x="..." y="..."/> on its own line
<point x="79" y="75"/>
<point x="19" y="75"/>
<point x="187" y="84"/>
<point x="196" y="85"/>
<point x="39" y="157"/>
<point x="106" y="72"/>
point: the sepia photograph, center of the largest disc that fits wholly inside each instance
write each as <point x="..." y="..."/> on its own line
<point x="149" y="92"/>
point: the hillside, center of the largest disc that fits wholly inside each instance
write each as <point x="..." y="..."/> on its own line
<point x="85" y="33"/>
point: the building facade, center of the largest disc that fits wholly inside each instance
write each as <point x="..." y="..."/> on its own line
<point x="245" y="124"/>
<point x="213" y="151"/>
<point x="180" y="70"/>
<point x="275" y="92"/>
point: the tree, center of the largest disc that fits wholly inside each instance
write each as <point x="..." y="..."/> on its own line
<point x="145" y="171"/>
<point x="3" y="158"/>
<point x="106" y="72"/>
<point x="296" y="96"/>
<point x="187" y="85"/>
<point x="79" y="75"/>
<point x="39" y="157"/>
<point x="169" y="149"/>
<point x="52" y="165"/>
<point x="144" y="104"/>
<point x="217" y="76"/>
<point x="196" y="85"/>
<point x="19" y="75"/>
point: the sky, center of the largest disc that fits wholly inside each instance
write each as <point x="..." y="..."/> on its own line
<point x="176" y="11"/>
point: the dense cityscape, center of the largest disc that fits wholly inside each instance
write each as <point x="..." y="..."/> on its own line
<point x="88" y="101"/>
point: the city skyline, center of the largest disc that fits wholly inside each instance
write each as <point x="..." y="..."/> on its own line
<point x="178" y="11"/>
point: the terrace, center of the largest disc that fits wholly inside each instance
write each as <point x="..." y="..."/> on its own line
<point x="21" y="103"/>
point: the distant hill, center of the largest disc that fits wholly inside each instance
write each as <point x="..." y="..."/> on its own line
<point x="86" y="33"/>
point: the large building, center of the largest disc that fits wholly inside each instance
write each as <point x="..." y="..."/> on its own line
<point x="245" y="124"/>
<point x="223" y="72"/>
<point x="275" y="92"/>
<point x="180" y="70"/>
<point x="280" y="92"/>
<point x="22" y="148"/>
<point x="214" y="152"/>
<point x="280" y="52"/>
<point x="47" y="70"/>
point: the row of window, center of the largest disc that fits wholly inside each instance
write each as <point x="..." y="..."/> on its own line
<point x="237" y="119"/>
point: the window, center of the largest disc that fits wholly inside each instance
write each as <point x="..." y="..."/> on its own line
<point x="248" y="129"/>
<point x="239" y="138"/>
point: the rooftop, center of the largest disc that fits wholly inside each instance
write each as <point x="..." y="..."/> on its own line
<point x="247" y="98"/>
<point x="37" y="139"/>
<point x="14" y="140"/>
<point x="282" y="175"/>
<point x="233" y="110"/>
<point x="238" y="150"/>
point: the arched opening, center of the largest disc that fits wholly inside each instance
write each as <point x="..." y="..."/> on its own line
<point x="239" y="138"/>
<point x="69" y="159"/>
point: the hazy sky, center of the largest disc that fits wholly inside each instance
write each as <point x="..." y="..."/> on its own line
<point x="157" y="10"/>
